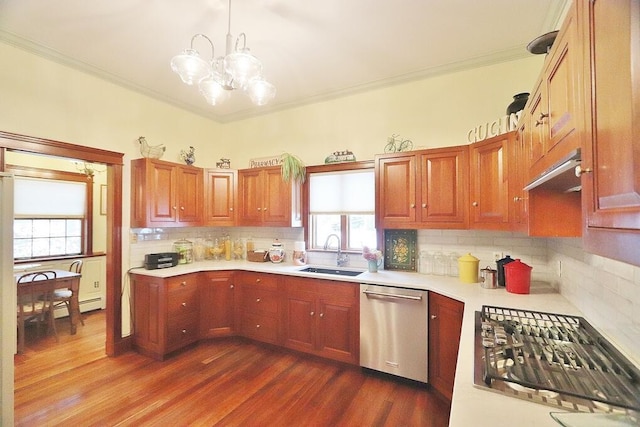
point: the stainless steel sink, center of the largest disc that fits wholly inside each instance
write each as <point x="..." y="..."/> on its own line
<point x="335" y="271"/>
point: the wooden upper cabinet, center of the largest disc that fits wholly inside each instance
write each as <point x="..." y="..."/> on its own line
<point x="489" y="183"/>
<point x="220" y="197"/>
<point x="554" y="108"/>
<point x="611" y="192"/>
<point x="396" y="191"/>
<point x="444" y="187"/>
<point x="424" y="189"/>
<point x="266" y="200"/>
<point x="165" y="194"/>
<point x="519" y="160"/>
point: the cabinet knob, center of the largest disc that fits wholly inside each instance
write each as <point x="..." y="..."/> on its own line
<point x="257" y="280"/>
<point x="517" y="199"/>
<point x="230" y="209"/>
<point x="174" y="208"/>
<point x="259" y="209"/>
<point x="264" y="209"/>
<point x="424" y="205"/>
<point x="257" y="326"/>
<point x="183" y="284"/>
<point x="311" y="314"/>
<point x="257" y="299"/>
<point x="579" y="170"/>
<point x="184" y="331"/>
<point x="231" y="286"/>
<point x="434" y="317"/>
<point x="321" y="314"/>
<point x="181" y="208"/>
<point x="413" y="205"/>
<point x="184" y="304"/>
<point x="540" y="122"/>
<point x="474" y="204"/>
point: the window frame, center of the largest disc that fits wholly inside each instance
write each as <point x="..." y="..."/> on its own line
<point x="331" y="167"/>
<point x="56" y="175"/>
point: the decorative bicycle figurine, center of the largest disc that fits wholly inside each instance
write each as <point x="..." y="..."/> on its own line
<point x="396" y="144"/>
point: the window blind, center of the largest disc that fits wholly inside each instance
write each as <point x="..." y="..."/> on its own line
<point x="38" y="198"/>
<point x="342" y="192"/>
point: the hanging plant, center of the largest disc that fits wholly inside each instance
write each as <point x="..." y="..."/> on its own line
<point x="293" y="168"/>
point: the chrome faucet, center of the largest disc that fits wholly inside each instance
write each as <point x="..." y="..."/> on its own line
<point x="342" y="259"/>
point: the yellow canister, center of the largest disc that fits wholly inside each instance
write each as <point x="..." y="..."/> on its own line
<point x="468" y="268"/>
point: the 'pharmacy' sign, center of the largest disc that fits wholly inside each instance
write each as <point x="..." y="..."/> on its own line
<point x="497" y="127"/>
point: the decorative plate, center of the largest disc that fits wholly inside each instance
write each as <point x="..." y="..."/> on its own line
<point x="400" y="249"/>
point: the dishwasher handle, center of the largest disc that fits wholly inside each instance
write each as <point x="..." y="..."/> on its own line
<point x="386" y="294"/>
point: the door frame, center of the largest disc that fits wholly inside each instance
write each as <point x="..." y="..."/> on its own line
<point x="115" y="344"/>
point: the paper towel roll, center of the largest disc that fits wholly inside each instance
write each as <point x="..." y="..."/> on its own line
<point x="298" y="246"/>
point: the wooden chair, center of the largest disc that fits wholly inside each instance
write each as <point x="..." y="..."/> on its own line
<point x="34" y="303"/>
<point x="63" y="296"/>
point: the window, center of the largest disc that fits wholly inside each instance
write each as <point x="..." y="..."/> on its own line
<point x="342" y="203"/>
<point x="51" y="214"/>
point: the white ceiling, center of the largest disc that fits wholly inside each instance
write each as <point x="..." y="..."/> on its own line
<point x="311" y="49"/>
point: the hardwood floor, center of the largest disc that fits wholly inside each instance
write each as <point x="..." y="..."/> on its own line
<point x="229" y="382"/>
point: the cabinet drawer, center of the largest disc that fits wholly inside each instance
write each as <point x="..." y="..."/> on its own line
<point x="259" y="301"/>
<point x="183" y="301"/>
<point x="262" y="328"/>
<point x="182" y="282"/>
<point x="266" y="281"/>
<point x="182" y="330"/>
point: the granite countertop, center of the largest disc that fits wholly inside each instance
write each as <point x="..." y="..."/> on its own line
<point x="470" y="406"/>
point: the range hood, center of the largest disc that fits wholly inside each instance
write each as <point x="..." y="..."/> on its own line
<point x="561" y="176"/>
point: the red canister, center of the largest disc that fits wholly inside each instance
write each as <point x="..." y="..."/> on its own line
<point x="517" y="277"/>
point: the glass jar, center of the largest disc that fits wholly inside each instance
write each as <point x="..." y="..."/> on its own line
<point x="238" y="249"/>
<point x="199" y="250"/>
<point x="184" y="248"/>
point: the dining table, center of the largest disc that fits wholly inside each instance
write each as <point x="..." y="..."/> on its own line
<point x="64" y="280"/>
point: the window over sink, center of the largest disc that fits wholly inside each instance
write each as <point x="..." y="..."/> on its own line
<point x="341" y="203"/>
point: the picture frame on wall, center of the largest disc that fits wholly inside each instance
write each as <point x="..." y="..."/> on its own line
<point x="400" y="249"/>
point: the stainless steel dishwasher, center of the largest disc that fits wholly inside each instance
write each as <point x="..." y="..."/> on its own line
<point x="393" y="331"/>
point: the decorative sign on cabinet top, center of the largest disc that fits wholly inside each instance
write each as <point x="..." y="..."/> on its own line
<point x="497" y="127"/>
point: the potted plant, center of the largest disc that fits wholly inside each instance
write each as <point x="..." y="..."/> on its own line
<point x="293" y="168"/>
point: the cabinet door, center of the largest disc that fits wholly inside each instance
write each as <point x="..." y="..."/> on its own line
<point x="338" y="328"/>
<point x="149" y="314"/>
<point x="276" y="199"/>
<point x="217" y="304"/>
<point x="489" y="183"/>
<point x="536" y="131"/>
<point x="190" y="194"/>
<point x="445" y="325"/>
<point x="444" y="187"/>
<point x="250" y="197"/>
<point x="518" y="178"/>
<point x="300" y="320"/>
<point x="220" y="191"/>
<point x="611" y="193"/>
<point x="396" y="188"/>
<point x="161" y="192"/>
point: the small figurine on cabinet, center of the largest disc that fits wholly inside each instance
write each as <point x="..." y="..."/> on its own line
<point x="189" y="157"/>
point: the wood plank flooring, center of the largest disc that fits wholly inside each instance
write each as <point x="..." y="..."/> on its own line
<point x="227" y="382"/>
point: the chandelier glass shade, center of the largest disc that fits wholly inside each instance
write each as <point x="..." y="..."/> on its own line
<point x="238" y="69"/>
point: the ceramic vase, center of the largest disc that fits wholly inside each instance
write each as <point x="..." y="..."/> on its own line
<point x="519" y="101"/>
<point x="373" y="266"/>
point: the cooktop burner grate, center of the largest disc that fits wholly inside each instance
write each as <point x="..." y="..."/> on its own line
<point x="551" y="356"/>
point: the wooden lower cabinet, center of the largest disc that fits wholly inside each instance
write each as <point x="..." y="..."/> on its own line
<point x="445" y="324"/>
<point x="259" y="306"/>
<point x="321" y="317"/>
<point x="166" y="313"/>
<point x="217" y="304"/>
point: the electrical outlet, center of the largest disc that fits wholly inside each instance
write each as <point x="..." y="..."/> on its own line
<point x="497" y="256"/>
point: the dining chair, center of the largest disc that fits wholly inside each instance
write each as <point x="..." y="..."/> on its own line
<point x="63" y="296"/>
<point x="34" y="303"/>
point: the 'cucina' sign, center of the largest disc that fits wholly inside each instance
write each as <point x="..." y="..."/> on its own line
<point x="497" y="127"/>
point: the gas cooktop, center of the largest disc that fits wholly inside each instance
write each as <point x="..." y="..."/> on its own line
<point x="553" y="359"/>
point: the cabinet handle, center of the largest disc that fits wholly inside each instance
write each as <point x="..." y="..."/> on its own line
<point x="579" y="171"/>
<point x="517" y="199"/>
<point x="184" y="304"/>
<point x="434" y="317"/>
<point x="540" y="122"/>
<point x="257" y="299"/>
<point x="474" y="204"/>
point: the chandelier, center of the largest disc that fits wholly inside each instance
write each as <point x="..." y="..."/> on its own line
<point x="238" y="69"/>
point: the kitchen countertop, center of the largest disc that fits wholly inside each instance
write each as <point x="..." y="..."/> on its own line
<point x="470" y="406"/>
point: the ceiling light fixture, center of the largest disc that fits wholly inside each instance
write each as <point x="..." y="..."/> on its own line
<point x="238" y="69"/>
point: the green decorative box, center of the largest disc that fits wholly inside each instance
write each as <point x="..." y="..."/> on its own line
<point x="400" y="249"/>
